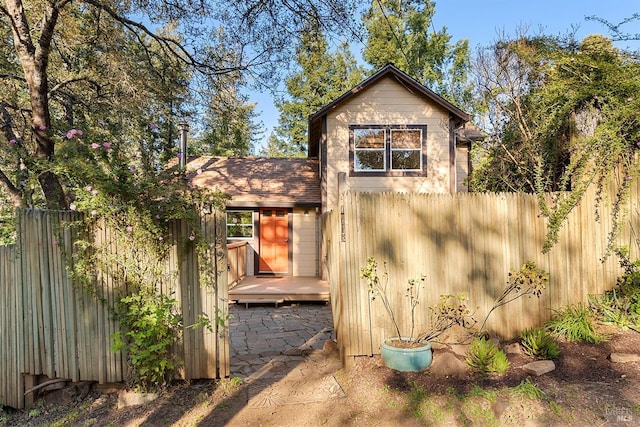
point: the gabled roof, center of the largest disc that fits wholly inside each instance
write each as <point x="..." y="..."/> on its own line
<point x="389" y="70"/>
<point x="259" y="181"/>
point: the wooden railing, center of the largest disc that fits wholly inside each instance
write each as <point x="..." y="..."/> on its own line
<point x="237" y="262"/>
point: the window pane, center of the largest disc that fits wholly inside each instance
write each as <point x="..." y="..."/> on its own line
<point x="236" y="231"/>
<point x="369" y="160"/>
<point x="368" y="138"/>
<point x="401" y="159"/>
<point x="406" y="138"/>
<point x="239" y="224"/>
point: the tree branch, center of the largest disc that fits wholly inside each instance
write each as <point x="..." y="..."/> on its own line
<point x="11" y="190"/>
<point x="173" y="47"/>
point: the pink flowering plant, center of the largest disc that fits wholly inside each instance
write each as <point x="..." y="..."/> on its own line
<point x="127" y="191"/>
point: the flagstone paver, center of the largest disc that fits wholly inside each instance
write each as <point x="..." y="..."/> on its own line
<point x="272" y="342"/>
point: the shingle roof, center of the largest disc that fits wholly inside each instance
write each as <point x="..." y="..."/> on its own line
<point x="259" y="181"/>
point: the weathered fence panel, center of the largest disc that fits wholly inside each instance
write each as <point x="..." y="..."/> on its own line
<point x="10" y="313"/>
<point x="466" y="242"/>
<point x="54" y="327"/>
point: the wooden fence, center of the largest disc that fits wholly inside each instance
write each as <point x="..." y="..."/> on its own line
<point x="53" y="327"/>
<point x="462" y="243"/>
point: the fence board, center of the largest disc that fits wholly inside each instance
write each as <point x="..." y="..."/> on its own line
<point x="53" y="327"/>
<point x="463" y="243"/>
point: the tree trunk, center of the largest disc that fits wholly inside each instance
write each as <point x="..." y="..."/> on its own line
<point x="34" y="59"/>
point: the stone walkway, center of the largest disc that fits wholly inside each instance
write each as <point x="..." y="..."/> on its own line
<point x="273" y="342"/>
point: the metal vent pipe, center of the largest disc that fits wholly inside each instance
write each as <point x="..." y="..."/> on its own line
<point x="184" y="131"/>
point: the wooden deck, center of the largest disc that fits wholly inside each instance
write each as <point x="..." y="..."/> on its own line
<point x="277" y="289"/>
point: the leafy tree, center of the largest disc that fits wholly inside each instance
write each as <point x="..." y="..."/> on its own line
<point x="402" y="33"/>
<point x="323" y="75"/>
<point x="564" y="116"/>
<point x="230" y="128"/>
<point x="276" y="147"/>
<point x="230" y="121"/>
<point x="73" y="66"/>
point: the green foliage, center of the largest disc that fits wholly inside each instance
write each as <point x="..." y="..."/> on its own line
<point x="477" y="391"/>
<point x="575" y="322"/>
<point x="149" y="326"/>
<point x="538" y="343"/>
<point x="322" y="75"/>
<point x="231" y="126"/>
<point x="415" y="400"/>
<point x="230" y="385"/>
<point x="621" y="306"/>
<point x="139" y="204"/>
<point x="529" y="390"/>
<point x="486" y="358"/>
<point x="7" y="224"/>
<point x="564" y="115"/>
<point x="402" y="33"/>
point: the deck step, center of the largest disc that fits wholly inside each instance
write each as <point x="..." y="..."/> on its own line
<point x="247" y="301"/>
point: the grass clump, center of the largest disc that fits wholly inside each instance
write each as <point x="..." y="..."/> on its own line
<point x="576" y="322"/>
<point x="529" y="390"/>
<point x="486" y="358"/>
<point x="621" y="306"/>
<point x="230" y="385"/>
<point x="538" y="343"/>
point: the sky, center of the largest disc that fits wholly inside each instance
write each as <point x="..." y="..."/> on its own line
<point x="484" y="21"/>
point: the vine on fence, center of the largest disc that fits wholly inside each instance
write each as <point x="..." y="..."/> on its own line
<point x="139" y="203"/>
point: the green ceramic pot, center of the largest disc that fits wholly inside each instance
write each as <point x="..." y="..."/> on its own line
<point x="406" y="359"/>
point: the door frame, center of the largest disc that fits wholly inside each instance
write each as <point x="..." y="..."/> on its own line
<point x="258" y="235"/>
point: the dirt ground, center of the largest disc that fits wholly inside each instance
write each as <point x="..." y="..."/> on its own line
<point x="586" y="389"/>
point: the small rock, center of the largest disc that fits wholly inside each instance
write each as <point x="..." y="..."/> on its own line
<point x="539" y="367"/>
<point x="455" y="335"/>
<point x="624" y="357"/>
<point x="514" y="348"/>
<point x="500" y="406"/>
<point x="329" y="347"/>
<point x="460" y="349"/>
<point x="437" y="345"/>
<point x="446" y="364"/>
<point x="129" y="398"/>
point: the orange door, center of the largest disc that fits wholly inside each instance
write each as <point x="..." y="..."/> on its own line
<point x="274" y="241"/>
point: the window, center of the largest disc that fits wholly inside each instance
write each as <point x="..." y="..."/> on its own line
<point x="239" y="224"/>
<point x="369" y="149"/>
<point x="398" y="150"/>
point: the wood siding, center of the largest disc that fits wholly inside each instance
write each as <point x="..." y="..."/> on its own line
<point x="305" y="242"/>
<point x="466" y="242"/>
<point x="387" y="103"/>
<point x="54" y="327"/>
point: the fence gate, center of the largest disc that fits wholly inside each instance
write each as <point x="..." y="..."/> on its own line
<point x="54" y="328"/>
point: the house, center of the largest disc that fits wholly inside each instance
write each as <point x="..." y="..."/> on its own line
<point x="275" y="206"/>
<point x="389" y="133"/>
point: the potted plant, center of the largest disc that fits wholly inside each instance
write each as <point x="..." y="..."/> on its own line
<point x="409" y="352"/>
